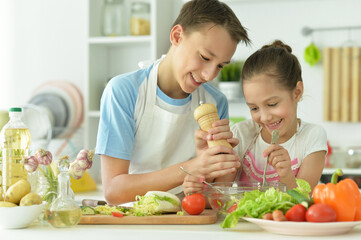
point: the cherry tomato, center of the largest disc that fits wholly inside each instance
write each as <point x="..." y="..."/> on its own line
<point x="232" y="208"/>
<point x="194" y="204"/>
<point x="117" y="214"/>
<point x="297" y="213"/>
<point x="320" y="212"/>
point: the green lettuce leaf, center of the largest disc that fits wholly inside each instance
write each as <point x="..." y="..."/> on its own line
<point x="256" y="203"/>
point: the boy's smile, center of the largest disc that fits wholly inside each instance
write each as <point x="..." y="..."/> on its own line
<point x="196" y="56"/>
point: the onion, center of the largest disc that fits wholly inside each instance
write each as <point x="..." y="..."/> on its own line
<point x="44" y="157"/>
<point x="75" y="171"/>
<point x="85" y="159"/>
<point x="31" y="164"/>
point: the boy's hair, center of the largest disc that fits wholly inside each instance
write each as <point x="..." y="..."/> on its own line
<point x="197" y="13"/>
<point x="274" y="60"/>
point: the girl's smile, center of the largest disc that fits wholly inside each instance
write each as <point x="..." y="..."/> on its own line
<point x="272" y="106"/>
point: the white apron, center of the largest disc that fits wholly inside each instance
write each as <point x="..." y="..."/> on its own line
<point x="162" y="138"/>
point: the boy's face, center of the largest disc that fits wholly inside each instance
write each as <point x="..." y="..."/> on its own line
<point x="272" y="106"/>
<point x="200" y="55"/>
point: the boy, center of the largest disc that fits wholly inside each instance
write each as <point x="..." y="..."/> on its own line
<point x="146" y="129"/>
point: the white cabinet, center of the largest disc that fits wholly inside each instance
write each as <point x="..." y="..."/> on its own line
<point x="110" y="56"/>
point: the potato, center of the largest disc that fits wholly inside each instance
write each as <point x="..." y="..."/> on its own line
<point x="31" y="199"/>
<point x="7" y="204"/>
<point x="17" y="191"/>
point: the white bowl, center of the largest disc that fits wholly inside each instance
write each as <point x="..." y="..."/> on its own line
<point x="19" y="217"/>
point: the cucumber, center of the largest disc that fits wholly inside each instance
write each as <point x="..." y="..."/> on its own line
<point x="86" y="210"/>
<point x="306" y="202"/>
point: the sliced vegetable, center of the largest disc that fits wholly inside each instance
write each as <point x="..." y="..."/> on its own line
<point x="117" y="214"/>
<point x="232" y="208"/>
<point x="321" y="212"/>
<point x="300" y="198"/>
<point x="297" y="213"/>
<point x="156" y="203"/>
<point x="344" y="197"/>
<point x="86" y="210"/>
<point x="194" y="204"/>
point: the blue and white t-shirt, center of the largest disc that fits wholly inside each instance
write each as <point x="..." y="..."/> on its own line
<point x="122" y="107"/>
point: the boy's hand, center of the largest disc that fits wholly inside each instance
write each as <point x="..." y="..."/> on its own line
<point x="280" y="159"/>
<point x="214" y="162"/>
<point x="220" y="130"/>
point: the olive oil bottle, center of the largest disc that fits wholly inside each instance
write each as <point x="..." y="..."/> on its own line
<point x="15" y="141"/>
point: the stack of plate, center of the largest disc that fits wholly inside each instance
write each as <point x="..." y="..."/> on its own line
<point x="56" y="109"/>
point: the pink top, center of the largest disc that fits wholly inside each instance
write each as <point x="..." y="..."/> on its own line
<point x="251" y="173"/>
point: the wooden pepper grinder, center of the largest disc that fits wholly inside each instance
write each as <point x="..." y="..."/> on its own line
<point x="206" y="115"/>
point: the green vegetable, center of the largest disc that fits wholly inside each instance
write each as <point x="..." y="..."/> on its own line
<point x="154" y="204"/>
<point x="300" y="198"/>
<point x="303" y="187"/>
<point x="312" y="54"/>
<point x="86" y="210"/>
<point x="256" y="203"/>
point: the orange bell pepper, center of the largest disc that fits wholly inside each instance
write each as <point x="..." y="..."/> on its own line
<point x="344" y="197"/>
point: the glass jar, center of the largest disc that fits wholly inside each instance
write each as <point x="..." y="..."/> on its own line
<point x="113" y="18"/>
<point x="140" y="19"/>
<point x="64" y="211"/>
<point x="353" y="159"/>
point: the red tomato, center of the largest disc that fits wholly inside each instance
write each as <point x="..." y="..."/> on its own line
<point x="320" y="212"/>
<point x="297" y="213"/>
<point x="232" y="208"/>
<point x="194" y="204"/>
<point x="216" y="204"/>
<point x="117" y="214"/>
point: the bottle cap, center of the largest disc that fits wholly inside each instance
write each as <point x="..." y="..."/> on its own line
<point x="15" y="109"/>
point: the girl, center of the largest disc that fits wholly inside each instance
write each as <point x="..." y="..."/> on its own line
<point x="272" y="86"/>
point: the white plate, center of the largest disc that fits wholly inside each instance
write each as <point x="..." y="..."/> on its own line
<point x="304" y="228"/>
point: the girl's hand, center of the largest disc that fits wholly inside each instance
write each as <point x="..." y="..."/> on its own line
<point x="280" y="160"/>
<point x="192" y="184"/>
<point x="214" y="162"/>
<point x="220" y="130"/>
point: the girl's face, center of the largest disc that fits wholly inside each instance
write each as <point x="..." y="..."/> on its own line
<point x="272" y="106"/>
<point x="200" y="55"/>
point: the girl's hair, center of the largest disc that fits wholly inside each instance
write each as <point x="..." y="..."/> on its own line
<point x="274" y="60"/>
<point x="197" y="13"/>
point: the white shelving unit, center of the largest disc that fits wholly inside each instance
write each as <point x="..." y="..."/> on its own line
<point x="111" y="56"/>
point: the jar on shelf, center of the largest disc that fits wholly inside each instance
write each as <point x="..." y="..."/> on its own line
<point x="140" y="19"/>
<point x="113" y="18"/>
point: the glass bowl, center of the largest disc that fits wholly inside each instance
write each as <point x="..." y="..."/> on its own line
<point x="224" y="196"/>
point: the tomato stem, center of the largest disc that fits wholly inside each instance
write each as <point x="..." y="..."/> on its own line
<point x="338" y="173"/>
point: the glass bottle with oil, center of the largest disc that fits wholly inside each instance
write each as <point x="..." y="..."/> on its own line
<point x="15" y="141"/>
<point x="64" y="211"/>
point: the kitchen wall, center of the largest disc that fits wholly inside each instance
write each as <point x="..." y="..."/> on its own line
<point x="284" y="20"/>
<point x="43" y="40"/>
<point x="40" y="41"/>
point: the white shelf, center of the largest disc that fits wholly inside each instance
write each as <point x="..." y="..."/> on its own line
<point x="111" y="56"/>
<point x="94" y="114"/>
<point x="119" y="40"/>
<point x="346" y="171"/>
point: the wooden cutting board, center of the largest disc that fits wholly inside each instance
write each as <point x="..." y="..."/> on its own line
<point x="207" y="217"/>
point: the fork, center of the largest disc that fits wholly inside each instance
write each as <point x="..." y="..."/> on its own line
<point x="203" y="181"/>
<point x="275" y="135"/>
